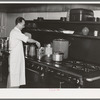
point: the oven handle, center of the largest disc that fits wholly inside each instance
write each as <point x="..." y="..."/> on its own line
<point x="93" y="79"/>
<point x="32" y="70"/>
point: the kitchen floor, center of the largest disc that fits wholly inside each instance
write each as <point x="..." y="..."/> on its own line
<point x="3" y="82"/>
<point x="3" y="79"/>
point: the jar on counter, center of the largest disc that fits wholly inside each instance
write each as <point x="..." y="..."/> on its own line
<point x="95" y="33"/>
<point x="48" y="50"/>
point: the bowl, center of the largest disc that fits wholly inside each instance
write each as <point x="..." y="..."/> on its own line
<point x="67" y="32"/>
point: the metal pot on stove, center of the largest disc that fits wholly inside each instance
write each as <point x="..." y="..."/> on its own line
<point x="61" y="45"/>
<point x="40" y="53"/>
<point x="57" y="56"/>
<point x="32" y="50"/>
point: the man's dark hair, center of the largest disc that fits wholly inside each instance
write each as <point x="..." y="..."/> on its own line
<point x="19" y="20"/>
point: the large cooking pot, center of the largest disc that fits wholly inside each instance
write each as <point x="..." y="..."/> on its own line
<point x="32" y="50"/>
<point x="61" y="45"/>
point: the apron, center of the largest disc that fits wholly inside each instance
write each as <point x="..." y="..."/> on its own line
<point x="16" y="75"/>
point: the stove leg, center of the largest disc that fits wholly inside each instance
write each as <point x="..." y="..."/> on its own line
<point x="61" y="84"/>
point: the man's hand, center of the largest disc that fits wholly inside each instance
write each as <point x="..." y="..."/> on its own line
<point x="34" y="41"/>
<point x="38" y="44"/>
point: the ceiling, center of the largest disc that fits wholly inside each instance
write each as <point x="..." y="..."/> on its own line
<point x="45" y="7"/>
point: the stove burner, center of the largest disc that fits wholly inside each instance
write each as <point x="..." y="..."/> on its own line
<point x="79" y="65"/>
<point x="58" y="62"/>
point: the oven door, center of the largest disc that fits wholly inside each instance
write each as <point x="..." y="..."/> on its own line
<point x="34" y="76"/>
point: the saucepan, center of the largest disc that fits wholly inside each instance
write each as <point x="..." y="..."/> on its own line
<point x="57" y="56"/>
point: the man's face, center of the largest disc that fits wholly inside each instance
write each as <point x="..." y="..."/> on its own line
<point x="22" y="24"/>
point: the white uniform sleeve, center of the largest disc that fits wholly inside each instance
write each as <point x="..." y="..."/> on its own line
<point x="21" y="36"/>
<point x="28" y="34"/>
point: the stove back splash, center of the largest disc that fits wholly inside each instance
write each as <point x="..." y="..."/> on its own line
<point x="85" y="49"/>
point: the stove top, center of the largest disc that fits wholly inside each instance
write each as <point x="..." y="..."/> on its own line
<point x="79" y="65"/>
<point x="74" y="64"/>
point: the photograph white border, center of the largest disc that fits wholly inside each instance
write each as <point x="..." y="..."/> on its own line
<point x="50" y="93"/>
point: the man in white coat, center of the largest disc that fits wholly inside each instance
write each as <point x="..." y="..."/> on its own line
<point x="16" y="75"/>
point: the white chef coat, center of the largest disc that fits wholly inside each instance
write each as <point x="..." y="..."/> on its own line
<point x="16" y="58"/>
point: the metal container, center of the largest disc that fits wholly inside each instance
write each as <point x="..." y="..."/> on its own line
<point x="48" y="50"/>
<point x="26" y="50"/>
<point x="80" y="14"/>
<point x="32" y="50"/>
<point x="57" y="56"/>
<point x="4" y="43"/>
<point x="40" y="53"/>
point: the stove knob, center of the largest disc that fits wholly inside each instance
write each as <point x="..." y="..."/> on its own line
<point x="52" y="71"/>
<point x="69" y="78"/>
<point x="62" y="74"/>
<point x="73" y="66"/>
<point x="41" y="68"/>
<point x="74" y="79"/>
<point x="78" y="81"/>
<point x="58" y="73"/>
<point x="32" y="65"/>
<point x="38" y="67"/>
<point x="48" y="70"/>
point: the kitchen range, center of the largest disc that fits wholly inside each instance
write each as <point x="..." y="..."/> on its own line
<point x="79" y="70"/>
<point x="69" y="56"/>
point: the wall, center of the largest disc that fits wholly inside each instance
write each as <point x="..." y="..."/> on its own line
<point x="31" y="16"/>
<point x="3" y="22"/>
<point x="11" y="21"/>
<point x="45" y="15"/>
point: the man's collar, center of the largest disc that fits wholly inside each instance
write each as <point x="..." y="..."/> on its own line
<point x="17" y="28"/>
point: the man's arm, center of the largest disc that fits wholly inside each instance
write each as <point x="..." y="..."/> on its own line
<point x="33" y="41"/>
